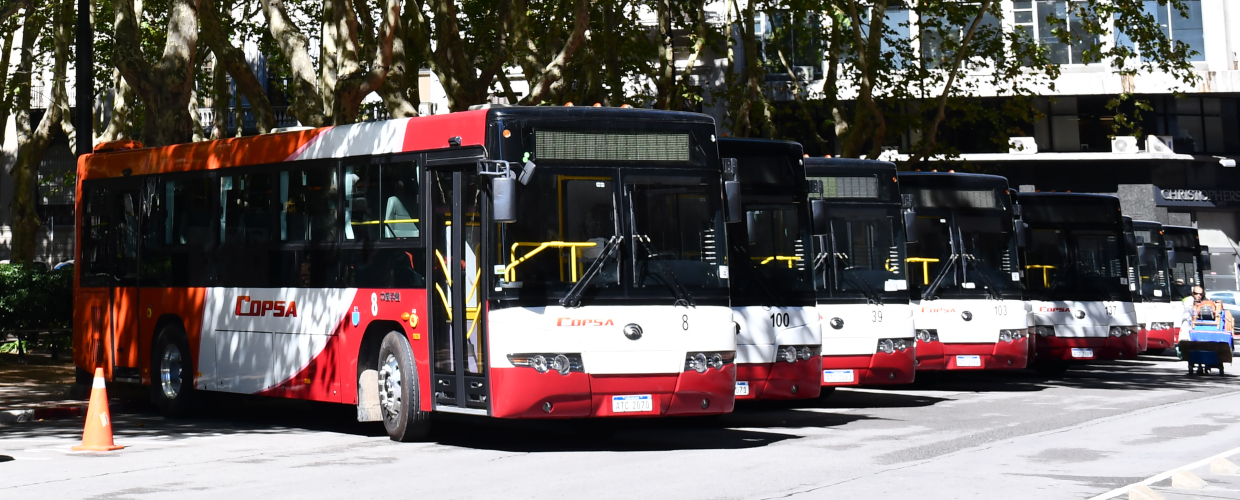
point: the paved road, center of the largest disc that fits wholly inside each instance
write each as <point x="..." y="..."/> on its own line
<point x="981" y="435"/>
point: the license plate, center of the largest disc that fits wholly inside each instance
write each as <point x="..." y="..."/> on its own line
<point x="629" y="404"/>
<point x="837" y="376"/>
<point x="968" y="361"/>
<point x="742" y="388"/>
<point x="1082" y="352"/>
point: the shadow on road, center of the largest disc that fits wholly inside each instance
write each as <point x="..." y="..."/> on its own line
<point x="1145" y="373"/>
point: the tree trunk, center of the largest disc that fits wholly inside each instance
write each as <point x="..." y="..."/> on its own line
<point x="232" y="59"/>
<point x="666" y="78"/>
<point x="6" y="97"/>
<point x="33" y="144"/>
<point x="307" y="104"/>
<point x="165" y="87"/>
<point x="219" y="101"/>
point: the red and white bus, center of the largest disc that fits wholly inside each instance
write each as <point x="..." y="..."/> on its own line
<point x="513" y="262"/>
<point x="1076" y="279"/>
<point x="777" y="339"/>
<point x="1158" y="316"/>
<point x="859" y="273"/>
<point x="962" y="264"/>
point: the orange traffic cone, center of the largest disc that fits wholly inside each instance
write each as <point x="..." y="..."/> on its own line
<point x="97" y="436"/>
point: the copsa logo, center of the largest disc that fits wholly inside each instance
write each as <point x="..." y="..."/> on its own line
<point x="280" y="308"/>
<point x="583" y="322"/>
<point x="1053" y="309"/>
<point x="938" y="310"/>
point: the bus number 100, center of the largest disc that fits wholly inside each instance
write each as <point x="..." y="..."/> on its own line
<point x="779" y="320"/>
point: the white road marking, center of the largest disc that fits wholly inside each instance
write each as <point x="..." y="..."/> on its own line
<point x="1154" y="479"/>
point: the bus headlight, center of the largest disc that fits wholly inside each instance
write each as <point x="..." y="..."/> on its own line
<point x="698" y="363"/>
<point x="886" y="346"/>
<point x="1160" y="326"/>
<point x="928" y="335"/>
<point x="563" y="363"/>
<point x="1118" y="331"/>
<point x="701" y="361"/>
<point x="1044" y="330"/>
<point x="900" y="344"/>
<point x="804" y="353"/>
<point x="788" y="354"/>
<point x="1010" y="335"/>
<point x="539" y="363"/>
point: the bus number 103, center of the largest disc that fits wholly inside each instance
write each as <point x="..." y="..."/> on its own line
<point x="779" y="320"/>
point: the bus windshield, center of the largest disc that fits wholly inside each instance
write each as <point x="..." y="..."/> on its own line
<point x="1151" y="275"/>
<point x="644" y="235"/>
<point x="962" y="255"/>
<point x="770" y="266"/>
<point x="861" y="256"/>
<point x="1076" y="264"/>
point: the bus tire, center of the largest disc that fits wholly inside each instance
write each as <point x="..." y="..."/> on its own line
<point x="399" y="395"/>
<point x="172" y="369"/>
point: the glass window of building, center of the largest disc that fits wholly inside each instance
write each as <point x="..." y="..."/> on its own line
<point x="795" y="36"/>
<point x="1041" y="19"/>
<point x="1180" y="27"/>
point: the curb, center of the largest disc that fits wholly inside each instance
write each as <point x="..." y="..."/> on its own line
<point x="8" y="417"/>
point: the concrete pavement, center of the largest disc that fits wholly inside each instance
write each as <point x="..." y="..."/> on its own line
<point x="975" y="435"/>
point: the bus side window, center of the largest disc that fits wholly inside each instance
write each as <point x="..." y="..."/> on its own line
<point x="361" y="202"/>
<point x="96" y="236"/>
<point x="399" y="190"/>
<point x="308" y="205"/>
<point x="246" y="214"/>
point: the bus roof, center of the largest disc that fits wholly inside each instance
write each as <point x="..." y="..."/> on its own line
<point x="366" y="138"/>
<point x="829" y="166"/>
<point x="1146" y="224"/>
<point x="1070" y="209"/>
<point x="949" y="179"/>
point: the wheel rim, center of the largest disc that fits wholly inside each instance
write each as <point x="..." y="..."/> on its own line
<point x="170" y="371"/>
<point x="390" y="388"/>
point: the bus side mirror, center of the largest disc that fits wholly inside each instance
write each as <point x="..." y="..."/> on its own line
<point x="1205" y="258"/>
<point x="910" y="218"/>
<point x="1021" y="229"/>
<point x="1170" y="245"/>
<point x="503" y="199"/>
<point x="732" y="195"/>
<point x="819" y="211"/>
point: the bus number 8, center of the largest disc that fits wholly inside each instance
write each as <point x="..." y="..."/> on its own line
<point x="779" y="320"/>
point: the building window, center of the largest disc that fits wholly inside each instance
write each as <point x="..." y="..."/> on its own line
<point x="1039" y="20"/>
<point x="936" y="32"/>
<point x="1176" y="27"/>
<point x="1196" y="124"/>
<point x="795" y="35"/>
<point x="896" y="24"/>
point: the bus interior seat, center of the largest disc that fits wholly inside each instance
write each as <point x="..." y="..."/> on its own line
<point x="396" y="211"/>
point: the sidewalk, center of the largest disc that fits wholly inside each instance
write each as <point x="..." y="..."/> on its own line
<point x="39" y="389"/>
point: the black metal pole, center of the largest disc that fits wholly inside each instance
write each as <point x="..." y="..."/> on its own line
<point x="85" y="79"/>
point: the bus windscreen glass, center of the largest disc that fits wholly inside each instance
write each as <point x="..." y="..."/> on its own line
<point x="861" y="257"/>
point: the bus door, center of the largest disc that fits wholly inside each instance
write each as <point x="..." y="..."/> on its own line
<point x="115" y="266"/>
<point x="458" y="291"/>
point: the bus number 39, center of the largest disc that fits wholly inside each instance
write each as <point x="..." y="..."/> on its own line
<point x="779" y="320"/>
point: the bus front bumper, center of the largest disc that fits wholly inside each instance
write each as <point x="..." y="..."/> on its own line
<point x="780" y="380"/>
<point x="874" y="369"/>
<point x="1002" y="355"/>
<point x="525" y="393"/>
<point x="1088" y="348"/>
<point x="1162" y="338"/>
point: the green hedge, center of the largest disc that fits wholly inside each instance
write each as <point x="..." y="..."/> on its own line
<point x="31" y="298"/>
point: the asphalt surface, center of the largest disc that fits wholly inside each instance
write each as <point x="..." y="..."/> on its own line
<point x="963" y="435"/>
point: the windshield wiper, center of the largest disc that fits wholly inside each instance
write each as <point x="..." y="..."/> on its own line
<point x="683" y="297"/>
<point x="871" y="295"/>
<point x="573" y="297"/>
<point x="929" y="292"/>
<point x="992" y="289"/>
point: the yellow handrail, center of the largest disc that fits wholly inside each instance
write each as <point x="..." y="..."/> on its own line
<point x="788" y="258"/>
<point x="925" y="266"/>
<point x="510" y="274"/>
<point x="1044" y="268"/>
<point x="385" y="221"/>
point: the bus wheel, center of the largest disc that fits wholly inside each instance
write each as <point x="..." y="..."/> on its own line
<point x="399" y="397"/>
<point x="172" y="368"/>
